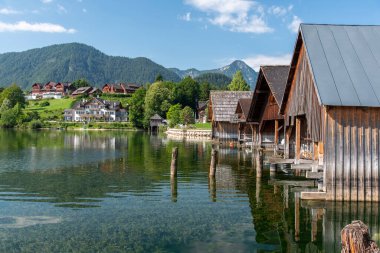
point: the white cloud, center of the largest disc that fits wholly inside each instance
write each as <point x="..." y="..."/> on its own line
<point x="84" y="10"/>
<point x="8" y="11"/>
<point x="278" y="10"/>
<point x="46" y="1"/>
<point x="295" y="24"/>
<point x="235" y="15"/>
<point x="61" y="9"/>
<point x="24" y="26"/>
<point x="186" y="17"/>
<point x="258" y="60"/>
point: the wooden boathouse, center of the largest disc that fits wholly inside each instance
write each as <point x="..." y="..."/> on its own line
<point x="222" y="107"/>
<point x="265" y="107"/>
<point x="331" y="107"/>
<point x="245" y="129"/>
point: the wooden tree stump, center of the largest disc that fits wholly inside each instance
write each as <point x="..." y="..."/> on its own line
<point x="355" y="238"/>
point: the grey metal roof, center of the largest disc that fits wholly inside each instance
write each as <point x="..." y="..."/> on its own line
<point x="345" y="61"/>
<point x="224" y="103"/>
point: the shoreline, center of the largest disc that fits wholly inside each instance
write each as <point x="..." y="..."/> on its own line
<point x="196" y="134"/>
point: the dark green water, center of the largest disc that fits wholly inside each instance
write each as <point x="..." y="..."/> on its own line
<point x="112" y="192"/>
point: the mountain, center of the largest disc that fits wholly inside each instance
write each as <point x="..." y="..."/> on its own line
<point x="69" y="62"/>
<point x="249" y="74"/>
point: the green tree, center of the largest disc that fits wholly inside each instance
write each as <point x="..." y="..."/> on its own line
<point x="204" y="91"/>
<point x="6" y="105"/>
<point x="11" y="117"/>
<point x="174" y="115"/>
<point x="159" y="78"/>
<point x="81" y="83"/>
<point x="186" y="92"/>
<point x="157" y="100"/>
<point x="187" y="116"/>
<point x="14" y="94"/>
<point x="238" y="83"/>
<point x="136" y="108"/>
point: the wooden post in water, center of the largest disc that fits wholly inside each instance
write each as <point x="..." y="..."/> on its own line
<point x="314" y="224"/>
<point x="214" y="161"/>
<point x="297" y="216"/>
<point x="259" y="166"/>
<point x="355" y="238"/>
<point x="173" y="166"/>
<point x="212" y="188"/>
<point x="258" y="189"/>
<point x="173" y="187"/>
<point x="272" y="170"/>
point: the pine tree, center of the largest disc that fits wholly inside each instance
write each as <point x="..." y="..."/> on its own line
<point x="238" y="83"/>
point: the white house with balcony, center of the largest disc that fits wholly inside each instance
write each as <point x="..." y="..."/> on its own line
<point x="96" y="109"/>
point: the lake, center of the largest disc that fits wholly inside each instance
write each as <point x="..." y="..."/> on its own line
<point x="111" y="191"/>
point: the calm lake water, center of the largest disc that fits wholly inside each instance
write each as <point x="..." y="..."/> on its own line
<point x="111" y="192"/>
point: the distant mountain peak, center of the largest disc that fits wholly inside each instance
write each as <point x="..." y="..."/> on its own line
<point x="249" y="74"/>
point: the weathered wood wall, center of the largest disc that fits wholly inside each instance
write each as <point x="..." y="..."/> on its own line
<point x="271" y="109"/>
<point x="226" y="131"/>
<point x="352" y="153"/>
<point x="303" y="99"/>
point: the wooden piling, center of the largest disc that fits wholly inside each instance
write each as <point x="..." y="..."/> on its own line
<point x="173" y="187"/>
<point x="314" y="225"/>
<point x="355" y="238"/>
<point x="214" y="161"/>
<point x="258" y="189"/>
<point x="173" y="166"/>
<point x="259" y="166"/>
<point x="212" y="188"/>
<point x="297" y="216"/>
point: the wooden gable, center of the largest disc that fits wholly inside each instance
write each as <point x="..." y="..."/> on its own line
<point x="302" y="99"/>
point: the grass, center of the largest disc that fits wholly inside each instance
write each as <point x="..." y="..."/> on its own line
<point x="54" y="111"/>
<point x="124" y="100"/>
<point x="206" y="126"/>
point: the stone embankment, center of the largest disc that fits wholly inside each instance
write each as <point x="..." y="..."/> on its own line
<point x="189" y="133"/>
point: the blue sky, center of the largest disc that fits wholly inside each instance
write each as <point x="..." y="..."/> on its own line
<point x="203" y="34"/>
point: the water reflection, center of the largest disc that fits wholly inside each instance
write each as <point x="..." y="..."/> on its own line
<point x="112" y="191"/>
<point x="26" y="221"/>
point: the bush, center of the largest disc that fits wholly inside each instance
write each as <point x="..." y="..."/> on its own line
<point x="187" y="116"/>
<point x="35" y="124"/>
<point x="45" y="103"/>
<point x="33" y="115"/>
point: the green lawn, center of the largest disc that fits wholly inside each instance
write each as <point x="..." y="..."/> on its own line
<point x="54" y="111"/>
<point x="206" y="126"/>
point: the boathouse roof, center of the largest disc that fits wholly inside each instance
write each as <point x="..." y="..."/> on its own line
<point x="223" y="103"/>
<point x="271" y="80"/>
<point x="345" y="63"/>
<point x="243" y="106"/>
<point x="276" y="77"/>
<point x="156" y="117"/>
